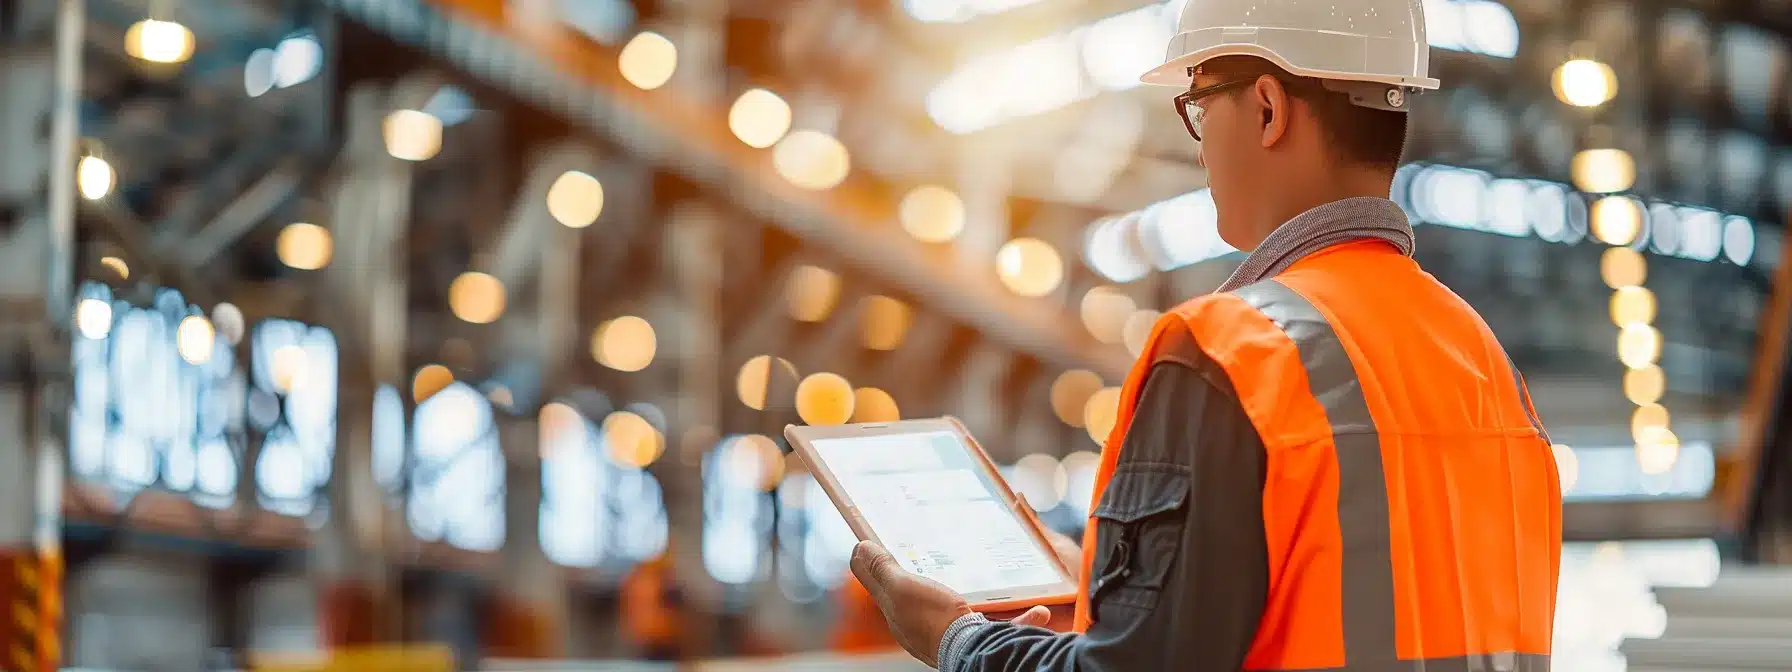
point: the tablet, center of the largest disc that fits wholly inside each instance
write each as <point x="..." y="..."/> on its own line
<point x="927" y="493"/>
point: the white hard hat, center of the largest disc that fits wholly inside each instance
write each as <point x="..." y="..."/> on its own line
<point x="1379" y="42"/>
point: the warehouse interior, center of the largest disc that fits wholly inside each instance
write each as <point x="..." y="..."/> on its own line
<point x="461" y="334"/>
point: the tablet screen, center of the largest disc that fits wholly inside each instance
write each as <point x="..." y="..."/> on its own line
<point x="937" y="511"/>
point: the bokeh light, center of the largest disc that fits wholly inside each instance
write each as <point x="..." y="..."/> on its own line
<point x="194" y="339"/>
<point x="756" y="378"/>
<point x="429" y="380"/>
<point x="1644" y="386"/>
<point x="627" y="343"/>
<point x="1647" y="419"/>
<point x="759" y="118"/>
<point x="290" y="367"/>
<point x="117" y="266"/>
<point x="1658" y="453"/>
<point x="1070" y="395"/>
<point x="228" y="319"/>
<point x="811" y="293"/>
<point x="932" y="214"/>
<point x="1585" y="82"/>
<point x="1567" y="465"/>
<point x="307" y="247"/>
<point x="1104" y="311"/>
<point x="753" y="458"/>
<point x="575" y="199"/>
<point x="886" y="322"/>
<point x="412" y="135"/>
<point x="648" y="61"/>
<point x="1029" y="267"/>
<point x="94" y="177"/>
<point x="93" y="318"/>
<point x="159" y="41"/>
<point x="1622" y="267"/>
<point x="1632" y="306"/>
<point x="1040" y="478"/>
<point x="476" y="297"/>
<point x="870" y="404"/>
<point x="1100" y="414"/>
<point x="1137" y="330"/>
<point x="633" y="441"/>
<point x="1603" y="171"/>
<point x="1617" y="220"/>
<point x="561" y="425"/>
<point x="1639" y="345"/>
<point x="824" y="399"/>
<point x="812" y="160"/>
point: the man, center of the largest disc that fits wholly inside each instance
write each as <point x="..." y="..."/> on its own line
<point x="1330" y="464"/>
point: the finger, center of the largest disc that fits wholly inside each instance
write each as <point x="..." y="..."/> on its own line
<point x="1036" y="617"/>
<point x="874" y="567"/>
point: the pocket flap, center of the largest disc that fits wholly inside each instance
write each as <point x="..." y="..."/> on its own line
<point x="1139" y="491"/>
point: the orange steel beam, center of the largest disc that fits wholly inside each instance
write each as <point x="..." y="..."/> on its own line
<point x="693" y="138"/>
<point x="1737" y="484"/>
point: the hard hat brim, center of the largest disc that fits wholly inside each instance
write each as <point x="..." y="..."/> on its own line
<point x="1175" y="71"/>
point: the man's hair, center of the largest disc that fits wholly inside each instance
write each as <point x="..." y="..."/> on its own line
<point x="1356" y="134"/>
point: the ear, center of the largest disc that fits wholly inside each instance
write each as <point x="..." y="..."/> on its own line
<point x="1273" y="99"/>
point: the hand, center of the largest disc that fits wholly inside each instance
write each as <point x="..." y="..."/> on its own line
<point x="1069" y="552"/>
<point x="917" y="609"/>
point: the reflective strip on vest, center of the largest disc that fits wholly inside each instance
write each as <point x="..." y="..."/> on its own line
<point x="1368" y="572"/>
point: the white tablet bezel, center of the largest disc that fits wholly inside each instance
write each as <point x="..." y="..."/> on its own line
<point x="1062" y="592"/>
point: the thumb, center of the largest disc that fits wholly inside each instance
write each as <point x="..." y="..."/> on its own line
<point x="873" y="566"/>
<point x="1036" y="617"/>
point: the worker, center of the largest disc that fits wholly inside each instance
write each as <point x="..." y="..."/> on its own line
<point x="649" y="611"/>
<point x="1330" y="463"/>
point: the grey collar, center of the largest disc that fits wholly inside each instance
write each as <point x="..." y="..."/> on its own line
<point x="1358" y="218"/>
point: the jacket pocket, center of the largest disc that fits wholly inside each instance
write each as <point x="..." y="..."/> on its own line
<point x="1138" y="534"/>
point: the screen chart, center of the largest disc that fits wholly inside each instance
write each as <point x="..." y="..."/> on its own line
<point x="937" y="511"/>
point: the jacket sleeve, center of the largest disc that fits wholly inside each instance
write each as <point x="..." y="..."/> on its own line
<point x="1183" y="588"/>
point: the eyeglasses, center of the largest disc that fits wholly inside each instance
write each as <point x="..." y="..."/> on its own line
<point x="1188" y="104"/>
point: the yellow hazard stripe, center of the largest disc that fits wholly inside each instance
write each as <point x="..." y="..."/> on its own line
<point x="30" y="638"/>
<point x="24" y="615"/>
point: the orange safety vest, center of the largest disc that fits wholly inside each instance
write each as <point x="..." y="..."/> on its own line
<point x="1411" y="503"/>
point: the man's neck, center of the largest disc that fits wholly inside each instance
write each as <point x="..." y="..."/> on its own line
<point x="1303" y="195"/>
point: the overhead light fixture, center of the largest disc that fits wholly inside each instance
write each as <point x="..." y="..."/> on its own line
<point x="812" y="160"/>
<point x="304" y="246"/>
<point x="648" y="61"/>
<point x="1604" y="171"/>
<point x="576" y="199"/>
<point x="412" y="135"/>
<point x="759" y="118"/>
<point x="156" y="41"/>
<point x="1584" y="82"/>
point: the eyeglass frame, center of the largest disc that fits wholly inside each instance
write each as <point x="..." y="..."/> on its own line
<point x="1187" y="99"/>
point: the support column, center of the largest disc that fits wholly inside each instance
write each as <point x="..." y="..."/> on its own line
<point x="40" y="67"/>
<point x="690" y="315"/>
<point x="357" y="601"/>
<point x="699" y="31"/>
<point x="984" y="184"/>
<point x="356" y="606"/>
<point x="527" y="616"/>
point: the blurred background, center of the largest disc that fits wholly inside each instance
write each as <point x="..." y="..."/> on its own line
<point x="432" y="334"/>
